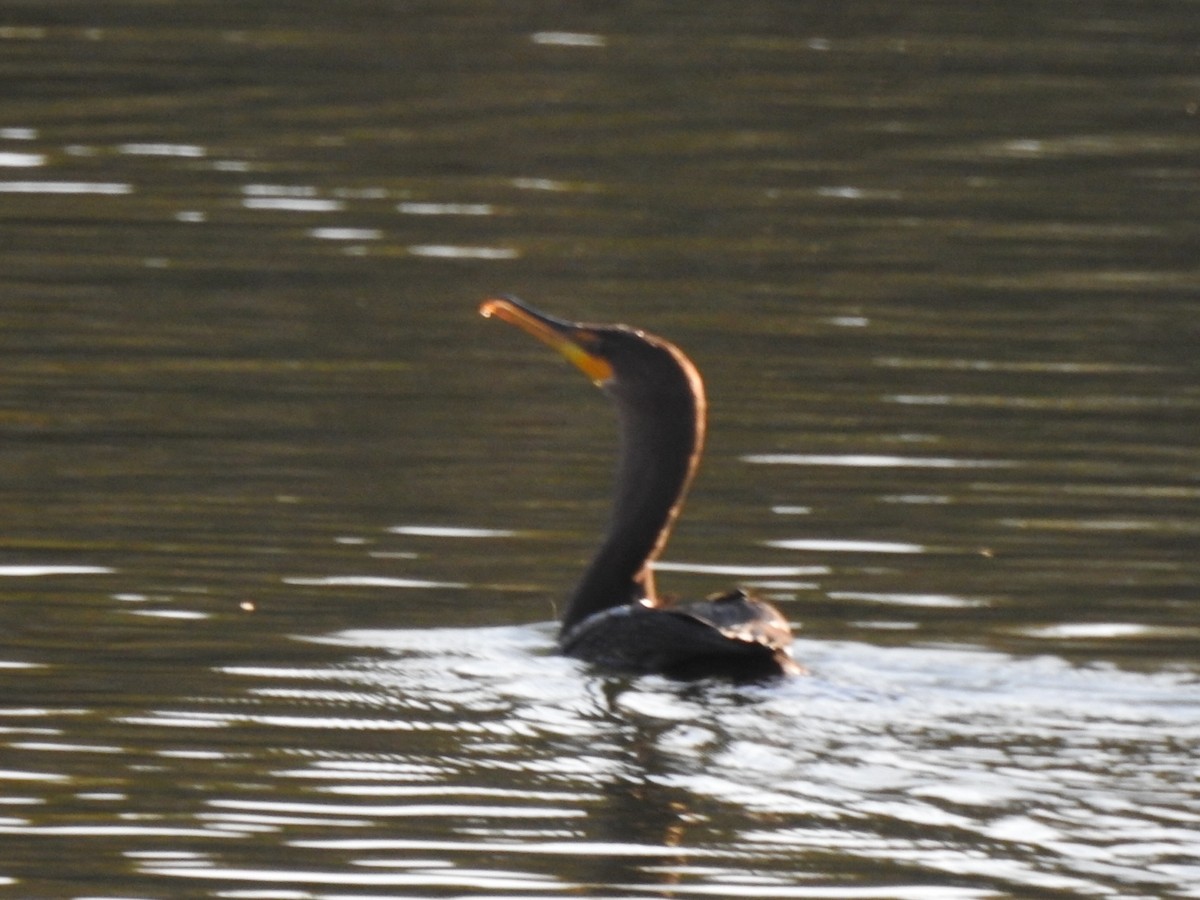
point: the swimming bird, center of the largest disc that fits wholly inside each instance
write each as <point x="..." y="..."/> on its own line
<point x="615" y="617"/>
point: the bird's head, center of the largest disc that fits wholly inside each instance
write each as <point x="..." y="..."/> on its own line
<point x="635" y="368"/>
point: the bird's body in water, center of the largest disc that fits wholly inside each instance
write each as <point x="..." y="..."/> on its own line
<point x="614" y="617"/>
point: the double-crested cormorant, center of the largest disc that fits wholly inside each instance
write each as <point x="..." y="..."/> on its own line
<point x="615" y="617"/>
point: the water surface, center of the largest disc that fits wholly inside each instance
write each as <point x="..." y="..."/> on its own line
<point x="287" y="523"/>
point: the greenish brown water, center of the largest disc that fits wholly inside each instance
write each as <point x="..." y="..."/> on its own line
<point x="285" y="522"/>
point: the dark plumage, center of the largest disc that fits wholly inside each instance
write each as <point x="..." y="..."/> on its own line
<point x="614" y="617"/>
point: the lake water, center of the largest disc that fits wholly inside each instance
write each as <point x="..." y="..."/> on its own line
<point x="286" y="524"/>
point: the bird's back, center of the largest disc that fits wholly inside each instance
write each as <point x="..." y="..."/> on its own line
<point x="729" y="635"/>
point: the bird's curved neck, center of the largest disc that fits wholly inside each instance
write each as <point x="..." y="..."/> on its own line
<point x="660" y="449"/>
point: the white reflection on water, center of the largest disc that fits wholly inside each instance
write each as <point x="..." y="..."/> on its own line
<point x="1007" y="365"/>
<point x="346" y="234"/>
<point x="568" y="39"/>
<point x="414" y="208"/>
<point x="922" y="600"/>
<point x="458" y="251"/>
<point x="34" y="571"/>
<point x="740" y="571"/>
<point x="402" y="809"/>
<point x="65" y="187"/>
<point x="168" y="613"/>
<point x="1104" y="524"/>
<point x="1072" y="403"/>
<point x="22" y="160"/>
<point x="832" y="545"/>
<point x="486" y="880"/>
<point x="373" y="581"/>
<point x="541" y="184"/>
<point x="19" y="775"/>
<point x="294" y="204"/>
<point x="872" y="460"/>
<point x="418" y="752"/>
<point x="450" y="531"/>
<point x="186" y="151"/>
<point x="111" y="831"/>
<point x="1108" y="631"/>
